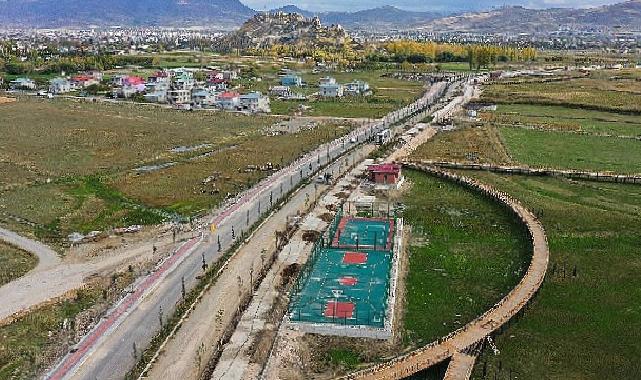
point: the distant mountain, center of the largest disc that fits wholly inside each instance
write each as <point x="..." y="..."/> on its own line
<point x="232" y="13"/>
<point x="626" y="15"/>
<point x="68" y="13"/>
<point x="383" y="17"/>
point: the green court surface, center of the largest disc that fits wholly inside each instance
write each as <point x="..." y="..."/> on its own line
<point x="364" y="233"/>
<point x="344" y="287"/>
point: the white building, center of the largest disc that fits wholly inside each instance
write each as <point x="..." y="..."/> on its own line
<point x="179" y="96"/>
<point x="255" y="102"/>
<point x="59" y="86"/>
<point x="326" y="80"/>
<point x="281" y="91"/>
<point x="22" y="84"/>
<point x="331" y="90"/>
<point x="357" y="88"/>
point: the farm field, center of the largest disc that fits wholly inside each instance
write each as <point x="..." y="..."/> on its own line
<point x="100" y="166"/>
<point x="582" y="323"/>
<point x="14" y="263"/>
<point x="483" y="145"/>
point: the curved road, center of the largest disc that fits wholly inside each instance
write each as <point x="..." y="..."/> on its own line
<point x="47" y="257"/>
<point x="459" y="341"/>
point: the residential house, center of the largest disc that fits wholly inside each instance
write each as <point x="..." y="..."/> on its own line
<point x="156" y="97"/>
<point x="326" y="80"/>
<point x="82" y="81"/>
<point x="229" y="100"/>
<point x="184" y="81"/>
<point x="179" y="96"/>
<point x="159" y="77"/>
<point x="22" y="84"/>
<point x="281" y="91"/>
<point x="130" y="85"/>
<point x="230" y="75"/>
<point x="255" y="102"/>
<point x="291" y="80"/>
<point x="59" y="86"/>
<point x="357" y="88"/>
<point x="97" y="75"/>
<point x="203" y="98"/>
<point x="333" y="90"/>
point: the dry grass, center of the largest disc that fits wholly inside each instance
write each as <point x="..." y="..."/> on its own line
<point x="68" y="166"/>
<point x="483" y="145"/>
<point x="14" y="263"/>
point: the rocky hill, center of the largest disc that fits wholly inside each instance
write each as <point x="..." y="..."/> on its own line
<point x="280" y="28"/>
<point x="626" y="15"/>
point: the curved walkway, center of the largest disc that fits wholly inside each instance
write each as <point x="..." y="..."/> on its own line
<point x="525" y="170"/>
<point x="47" y="257"/>
<point x="461" y="340"/>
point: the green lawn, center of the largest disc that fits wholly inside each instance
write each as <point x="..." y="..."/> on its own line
<point x="559" y="117"/>
<point x="571" y="151"/>
<point x="14" y="263"/>
<point x="466" y="253"/>
<point x="584" y="326"/>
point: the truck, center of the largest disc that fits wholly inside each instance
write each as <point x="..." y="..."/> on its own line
<point x="384" y="137"/>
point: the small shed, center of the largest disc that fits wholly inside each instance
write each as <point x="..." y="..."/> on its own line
<point x="384" y="174"/>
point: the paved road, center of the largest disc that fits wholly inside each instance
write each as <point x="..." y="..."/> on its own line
<point x="47" y="257"/>
<point x="107" y="351"/>
<point x="215" y="311"/>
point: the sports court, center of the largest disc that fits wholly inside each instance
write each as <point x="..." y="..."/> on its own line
<point x="364" y="233"/>
<point x="348" y="282"/>
<point x="344" y="287"/>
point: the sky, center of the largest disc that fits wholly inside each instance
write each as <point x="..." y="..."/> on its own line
<point x="420" y="5"/>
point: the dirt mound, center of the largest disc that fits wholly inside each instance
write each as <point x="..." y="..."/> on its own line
<point x="4" y="100"/>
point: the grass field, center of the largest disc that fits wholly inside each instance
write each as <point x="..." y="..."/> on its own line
<point x="605" y="91"/>
<point x="483" y="145"/>
<point x="14" y="263"/>
<point x="29" y="345"/>
<point x="571" y="151"/>
<point x="70" y="166"/>
<point x="466" y="253"/>
<point x="584" y="322"/>
<point x="582" y="326"/>
<point x="564" y="118"/>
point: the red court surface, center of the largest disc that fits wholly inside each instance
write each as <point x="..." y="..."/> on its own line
<point x="339" y="309"/>
<point x="348" y="281"/>
<point x="355" y="258"/>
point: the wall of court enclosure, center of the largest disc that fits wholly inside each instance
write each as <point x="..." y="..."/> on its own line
<point x="523" y="170"/>
<point x="492" y="320"/>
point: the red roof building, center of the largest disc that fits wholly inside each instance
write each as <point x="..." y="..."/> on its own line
<point x="384" y="174"/>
